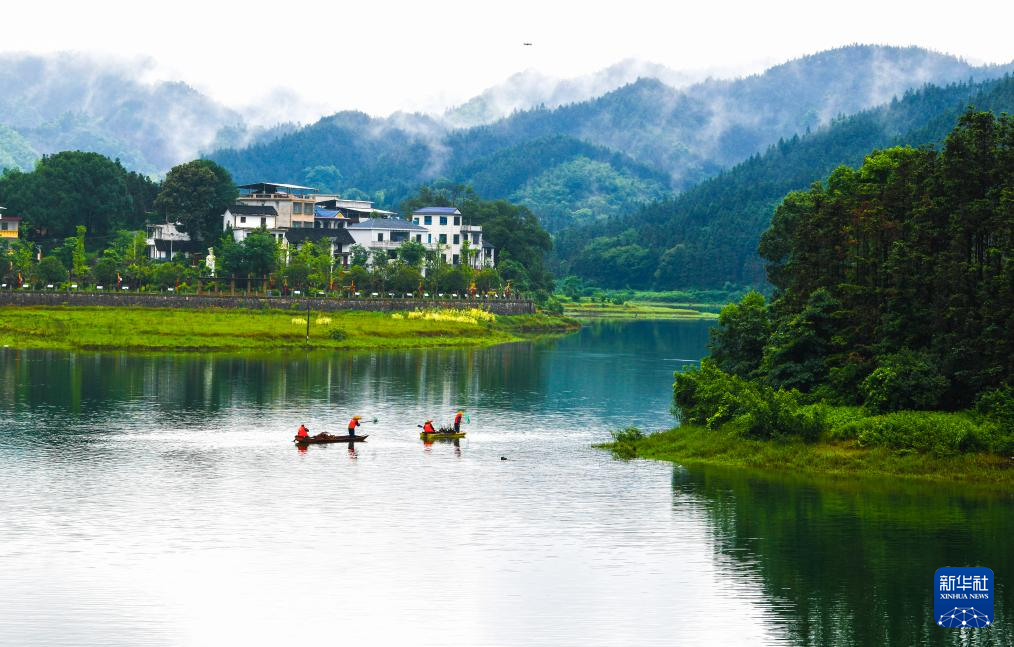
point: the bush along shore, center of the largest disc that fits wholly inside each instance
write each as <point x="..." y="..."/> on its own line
<point x="726" y="420"/>
<point x="232" y="330"/>
<point x="886" y="347"/>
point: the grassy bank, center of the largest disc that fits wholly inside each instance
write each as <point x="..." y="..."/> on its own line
<point x="587" y="309"/>
<point x="227" y="330"/>
<point x="826" y="457"/>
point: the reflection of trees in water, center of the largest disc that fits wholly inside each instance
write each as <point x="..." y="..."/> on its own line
<point x="855" y="564"/>
<point x="96" y="385"/>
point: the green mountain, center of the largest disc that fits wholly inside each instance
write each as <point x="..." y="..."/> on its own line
<point x="708" y="235"/>
<point x="641" y="140"/>
<point x="15" y="151"/>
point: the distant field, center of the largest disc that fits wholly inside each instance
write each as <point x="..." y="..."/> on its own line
<point x="640" y="310"/>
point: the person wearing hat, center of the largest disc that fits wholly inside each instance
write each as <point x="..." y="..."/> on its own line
<point x="303" y="433"/>
<point x="353" y="424"/>
<point x="457" y="421"/>
<point x="428" y="427"/>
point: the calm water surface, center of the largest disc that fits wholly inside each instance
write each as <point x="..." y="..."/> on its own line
<point x="158" y="500"/>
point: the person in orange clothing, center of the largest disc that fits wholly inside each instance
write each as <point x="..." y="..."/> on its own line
<point x="302" y="433"/>
<point x="457" y="421"/>
<point x="428" y="427"/>
<point x="353" y="424"/>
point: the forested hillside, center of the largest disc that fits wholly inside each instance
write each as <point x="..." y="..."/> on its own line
<point x="602" y="157"/>
<point x="708" y="236"/>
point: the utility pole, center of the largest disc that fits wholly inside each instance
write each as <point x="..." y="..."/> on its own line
<point x="307" y="322"/>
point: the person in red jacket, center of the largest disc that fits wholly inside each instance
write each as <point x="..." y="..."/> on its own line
<point x="457" y="421"/>
<point x="353" y="424"/>
<point x="428" y="427"/>
<point x="302" y="433"/>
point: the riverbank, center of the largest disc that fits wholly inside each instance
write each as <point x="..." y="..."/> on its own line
<point x="698" y="445"/>
<point x="638" y="310"/>
<point x="233" y="330"/>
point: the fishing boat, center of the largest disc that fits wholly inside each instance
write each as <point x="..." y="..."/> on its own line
<point x="441" y="435"/>
<point x="328" y="438"/>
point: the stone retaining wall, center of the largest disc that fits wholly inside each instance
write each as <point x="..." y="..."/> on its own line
<point x="58" y="298"/>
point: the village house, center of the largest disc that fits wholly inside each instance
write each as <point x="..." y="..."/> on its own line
<point x="446" y="229"/>
<point x="165" y="242"/>
<point x="295" y="214"/>
<point x="9" y="225"/>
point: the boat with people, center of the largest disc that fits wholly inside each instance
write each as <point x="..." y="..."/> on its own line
<point x="328" y="438"/>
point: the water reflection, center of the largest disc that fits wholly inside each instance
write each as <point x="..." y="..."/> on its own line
<point x="853" y="564"/>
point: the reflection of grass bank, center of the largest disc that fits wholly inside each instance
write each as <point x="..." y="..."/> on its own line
<point x="697" y="445"/>
<point x="159" y="329"/>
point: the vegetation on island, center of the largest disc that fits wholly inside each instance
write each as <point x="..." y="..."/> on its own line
<point x="234" y="330"/>
<point x="889" y="329"/>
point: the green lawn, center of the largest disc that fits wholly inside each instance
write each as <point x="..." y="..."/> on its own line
<point x="228" y="330"/>
<point x="638" y="310"/>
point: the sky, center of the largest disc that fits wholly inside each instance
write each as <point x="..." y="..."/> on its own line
<point x="382" y="56"/>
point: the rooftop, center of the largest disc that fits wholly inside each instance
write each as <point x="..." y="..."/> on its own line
<point x="321" y="212"/>
<point x="437" y="211"/>
<point x="298" y="235"/>
<point x="387" y="223"/>
<point x="252" y="210"/>
<point x="275" y="187"/>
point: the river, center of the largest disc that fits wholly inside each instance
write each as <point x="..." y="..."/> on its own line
<point x="159" y="500"/>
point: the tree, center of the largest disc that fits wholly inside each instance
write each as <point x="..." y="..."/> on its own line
<point x="737" y="342"/>
<point x="79" y="260"/>
<point x="412" y="253"/>
<point x="360" y="256"/>
<point x="79" y="188"/>
<point x="51" y="270"/>
<point x="196" y="194"/>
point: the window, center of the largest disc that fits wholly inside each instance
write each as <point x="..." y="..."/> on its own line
<point x="457" y="221"/>
<point x="242" y="219"/>
<point x="415" y="220"/>
<point x="443" y="238"/>
<point x="443" y="220"/>
<point x="428" y="220"/>
<point x="380" y="236"/>
<point x="456" y="259"/>
<point x="264" y="222"/>
<point x="457" y="239"/>
<point x="297" y="208"/>
<point x="3" y="226"/>
<point x="429" y="238"/>
<point x="418" y="238"/>
<point x="475" y="238"/>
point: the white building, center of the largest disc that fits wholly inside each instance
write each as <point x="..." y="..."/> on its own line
<point x="445" y="229"/>
<point x="165" y="242"/>
<point x="388" y="234"/>
<point x="293" y="204"/>
<point x="244" y="218"/>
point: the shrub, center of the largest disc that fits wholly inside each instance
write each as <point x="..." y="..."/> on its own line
<point x="625" y="442"/>
<point x="923" y="431"/>
<point x="337" y="334"/>
<point x="904" y="380"/>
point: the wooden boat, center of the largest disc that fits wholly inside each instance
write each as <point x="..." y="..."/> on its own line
<point x="318" y="439"/>
<point x="441" y="435"/>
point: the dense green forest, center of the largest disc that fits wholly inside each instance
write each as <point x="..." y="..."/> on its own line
<point x="894" y="291"/>
<point x="707" y="237"/>
<point x="72" y="188"/>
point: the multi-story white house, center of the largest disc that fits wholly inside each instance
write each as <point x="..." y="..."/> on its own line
<point x="445" y="229"/>
<point x="294" y="204"/>
<point x="388" y="234"/>
<point x="244" y="218"/>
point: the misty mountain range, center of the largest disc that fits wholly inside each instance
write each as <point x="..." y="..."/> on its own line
<point x="573" y="150"/>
